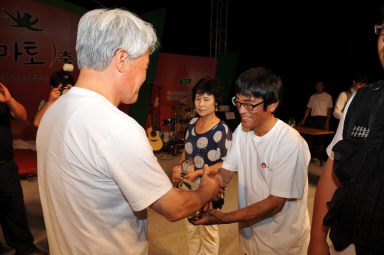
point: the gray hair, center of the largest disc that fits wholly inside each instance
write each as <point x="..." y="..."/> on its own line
<point x="102" y="32"/>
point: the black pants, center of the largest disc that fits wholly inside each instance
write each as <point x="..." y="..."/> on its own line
<point x="13" y="219"/>
<point x="316" y="143"/>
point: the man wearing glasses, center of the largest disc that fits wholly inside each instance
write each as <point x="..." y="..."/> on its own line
<point x="271" y="160"/>
<point x="349" y="196"/>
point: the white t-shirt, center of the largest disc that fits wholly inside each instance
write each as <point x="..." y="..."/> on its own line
<point x="339" y="132"/>
<point x="277" y="164"/>
<point x="95" y="168"/>
<point x="341" y="102"/>
<point x="320" y="103"/>
<point x="350" y="250"/>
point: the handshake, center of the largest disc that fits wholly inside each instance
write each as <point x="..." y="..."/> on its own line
<point x="206" y="181"/>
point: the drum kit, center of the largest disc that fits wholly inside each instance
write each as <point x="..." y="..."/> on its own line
<point x="177" y="126"/>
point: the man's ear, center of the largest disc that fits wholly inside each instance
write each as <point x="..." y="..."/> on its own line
<point x="272" y="107"/>
<point x="121" y="60"/>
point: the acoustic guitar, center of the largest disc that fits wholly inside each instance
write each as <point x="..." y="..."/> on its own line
<point x="153" y="132"/>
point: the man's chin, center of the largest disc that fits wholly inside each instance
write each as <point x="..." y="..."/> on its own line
<point x="131" y="100"/>
<point x="245" y="127"/>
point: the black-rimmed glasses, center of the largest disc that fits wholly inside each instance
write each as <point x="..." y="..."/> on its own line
<point x="247" y="106"/>
<point x="379" y="29"/>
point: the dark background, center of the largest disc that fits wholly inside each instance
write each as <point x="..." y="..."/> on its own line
<point x="302" y="42"/>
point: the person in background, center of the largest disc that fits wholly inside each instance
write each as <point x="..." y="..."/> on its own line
<point x="317" y="115"/>
<point x="319" y="109"/>
<point x="97" y="171"/>
<point x="61" y="81"/>
<point x="206" y="142"/>
<point x="13" y="219"/>
<point x="349" y="195"/>
<point x="359" y="81"/>
<point x="271" y="159"/>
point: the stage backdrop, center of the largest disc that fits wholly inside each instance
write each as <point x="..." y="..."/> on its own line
<point x="174" y="79"/>
<point x="36" y="39"/>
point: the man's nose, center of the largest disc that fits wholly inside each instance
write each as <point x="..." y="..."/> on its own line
<point x="241" y="109"/>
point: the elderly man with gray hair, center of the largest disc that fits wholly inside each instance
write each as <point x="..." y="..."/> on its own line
<point x="97" y="171"/>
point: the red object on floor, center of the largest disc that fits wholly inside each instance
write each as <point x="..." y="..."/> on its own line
<point x="26" y="160"/>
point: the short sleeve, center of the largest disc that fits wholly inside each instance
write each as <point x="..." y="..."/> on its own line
<point x="289" y="172"/>
<point x="310" y="102"/>
<point x="225" y="141"/>
<point x="133" y="166"/>
<point x="339" y="132"/>
<point x="339" y="106"/>
<point x="230" y="161"/>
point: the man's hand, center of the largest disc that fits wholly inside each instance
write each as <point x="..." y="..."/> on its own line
<point x="55" y="94"/>
<point x="211" y="186"/>
<point x="191" y="176"/>
<point x="210" y="217"/>
<point x="177" y="203"/>
<point x="176" y="173"/>
<point x="5" y="96"/>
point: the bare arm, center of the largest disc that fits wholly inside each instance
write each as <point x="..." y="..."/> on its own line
<point x="326" y="125"/>
<point x="39" y="114"/>
<point x="16" y="109"/>
<point x="176" y="170"/>
<point x="306" y="114"/>
<point x="178" y="204"/>
<point x="53" y="96"/>
<point x="326" y="186"/>
<point x="253" y="213"/>
<point x="199" y="172"/>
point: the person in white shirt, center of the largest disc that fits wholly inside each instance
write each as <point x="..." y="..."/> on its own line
<point x="318" y="108"/>
<point x="317" y="115"/>
<point x="359" y="81"/>
<point x="97" y="171"/>
<point x="271" y="159"/>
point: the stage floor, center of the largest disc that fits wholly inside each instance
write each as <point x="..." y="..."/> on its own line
<point x="163" y="237"/>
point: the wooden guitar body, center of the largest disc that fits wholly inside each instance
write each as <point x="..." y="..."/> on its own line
<point x="154" y="139"/>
